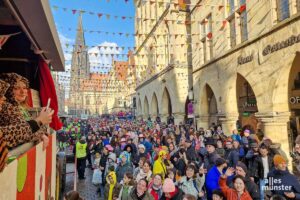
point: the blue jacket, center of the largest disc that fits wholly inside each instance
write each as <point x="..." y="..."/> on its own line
<point x="236" y="137"/>
<point x="212" y="181"/>
<point x="285" y="180"/>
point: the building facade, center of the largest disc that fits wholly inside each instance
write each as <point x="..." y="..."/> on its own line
<point x="162" y="62"/>
<point x="246" y="66"/>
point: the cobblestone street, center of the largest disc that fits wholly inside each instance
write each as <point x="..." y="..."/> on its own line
<point x="85" y="187"/>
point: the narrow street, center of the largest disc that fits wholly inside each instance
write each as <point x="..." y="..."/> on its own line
<point x="85" y="187"/>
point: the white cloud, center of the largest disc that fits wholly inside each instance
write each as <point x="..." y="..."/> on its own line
<point x="66" y="45"/>
<point x="97" y="61"/>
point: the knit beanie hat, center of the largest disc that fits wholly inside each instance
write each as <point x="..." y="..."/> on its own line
<point x="278" y="159"/>
<point x="168" y="186"/>
<point x="242" y="165"/>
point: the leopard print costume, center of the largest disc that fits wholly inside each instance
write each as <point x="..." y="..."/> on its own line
<point x="3" y="148"/>
<point x="15" y="128"/>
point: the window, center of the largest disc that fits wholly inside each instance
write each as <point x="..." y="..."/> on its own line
<point x="283" y="10"/>
<point x="231" y="6"/>
<point x="232" y="32"/>
<point x="209" y="35"/>
<point x="203" y="41"/>
<point x="243" y="22"/>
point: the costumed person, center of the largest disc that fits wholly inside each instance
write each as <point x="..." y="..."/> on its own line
<point x="112" y="187"/>
<point x="3" y="148"/>
<point x="159" y="166"/>
<point x="17" y="95"/>
<point x="124" y="166"/>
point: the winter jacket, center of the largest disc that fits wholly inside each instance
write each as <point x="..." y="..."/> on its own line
<point x="210" y="160"/>
<point x="231" y="194"/>
<point x="115" y="187"/>
<point x="285" y="180"/>
<point x="232" y="157"/>
<point x="212" y="181"/>
<point x="122" y="169"/>
<point x="133" y="196"/>
<point x="251" y="187"/>
<point x="159" y="167"/>
<point x="125" y="196"/>
<point x="250" y="157"/>
<point x="191" y="154"/>
<point x="192" y="186"/>
<point x="236" y="137"/>
<point x="258" y="169"/>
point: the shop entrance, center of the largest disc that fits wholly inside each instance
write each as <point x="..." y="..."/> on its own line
<point x="247" y="105"/>
<point x="294" y="100"/>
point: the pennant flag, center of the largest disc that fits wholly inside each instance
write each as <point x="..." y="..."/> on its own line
<point x="74" y="12"/>
<point x="55" y="8"/>
<point x="107" y="16"/>
<point x="123" y="17"/>
<point x="126" y="1"/>
<point x="242" y="8"/>
<point x="209" y="35"/>
<point x="100" y="15"/>
<point x="91" y="13"/>
<point x="3" y="40"/>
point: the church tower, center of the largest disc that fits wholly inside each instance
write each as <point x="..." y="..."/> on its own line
<point x="80" y="71"/>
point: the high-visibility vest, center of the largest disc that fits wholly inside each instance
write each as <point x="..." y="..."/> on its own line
<point x="80" y="150"/>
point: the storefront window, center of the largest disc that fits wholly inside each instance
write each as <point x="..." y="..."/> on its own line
<point x="283" y="10"/>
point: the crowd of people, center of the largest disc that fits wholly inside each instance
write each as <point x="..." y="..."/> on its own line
<point x="136" y="159"/>
<point x="17" y="126"/>
<point x="145" y="160"/>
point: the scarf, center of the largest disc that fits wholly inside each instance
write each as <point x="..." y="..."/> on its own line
<point x="138" y="197"/>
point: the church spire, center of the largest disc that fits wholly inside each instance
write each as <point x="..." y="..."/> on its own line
<point x="80" y="33"/>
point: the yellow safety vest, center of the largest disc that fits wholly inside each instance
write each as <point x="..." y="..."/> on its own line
<point x="80" y="150"/>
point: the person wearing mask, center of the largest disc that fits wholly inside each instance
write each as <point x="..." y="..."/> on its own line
<point x="124" y="166"/>
<point x="281" y="182"/>
<point x="213" y="176"/>
<point x="239" y="191"/>
<point x="80" y="151"/>
<point x="140" y="191"/>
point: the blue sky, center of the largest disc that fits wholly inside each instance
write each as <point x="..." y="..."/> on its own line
<point x="66" y="19"/>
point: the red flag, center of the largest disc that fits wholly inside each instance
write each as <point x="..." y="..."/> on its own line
<point x="209" y="35"/>
<point x="100" y="15"/>
<point x="242" y="8"/>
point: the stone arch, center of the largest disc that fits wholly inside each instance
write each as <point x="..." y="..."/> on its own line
<point x="247" y="104"/>
<point x="154" y="105"/>
<point x="166" y="103"/>
<point x="146" y="107"/>
<point x="208" y="106"/>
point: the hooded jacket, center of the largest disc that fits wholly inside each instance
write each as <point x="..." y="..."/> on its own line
<point x="122" y="169"/>
<point x="159" y="166"/>
<point x="111" y="190"/>
<point x="282" y="181"/>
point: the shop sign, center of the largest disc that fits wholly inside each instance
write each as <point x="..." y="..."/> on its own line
<point x="244" y="60"/>
<point x="295" y="100"/>
<point x="246" y="114"/>
<point x="281" y="45"/>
